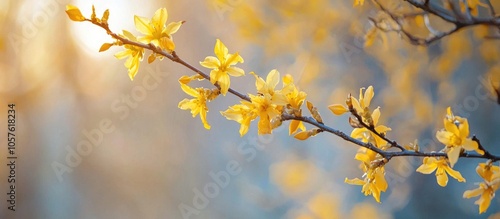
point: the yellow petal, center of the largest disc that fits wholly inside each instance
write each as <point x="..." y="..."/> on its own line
<point x="427" y="168"/>
<point x="188" y="90"/>
<point x="294" y="125"/>
<point x="376" y="116"/>
<point x="368" y="96"/>
<point x="442" y="178"/>
<point x="230" y="114"/>
<point x="375" y="192"/>
<point x="123" y="54"/>
<point x="380" y="180"/>
<point x="356" y="105"/>
<point x="259" y="83"/>
<point x="129" y="35"/>
<point x="451" y="127"/>
<point x="142" y="25"/>
<point x="160" y="18"/>
<point x="214" y="75"/>
<point x="354" y="181"/>
<point x="453" y="173"/>
<point x="74" y="13"/>
<point x="464" y="129"/>
<point x="382" y="129"/>
<point x="303" y="135"/>
<point x="273" y="78"/>
<point x="210" y="62"/>
<point x="235" y="71"/>
<point x="220" y="50"/>
<point x="358" y="133"/>
<point x="203" y="117"/>
<point x="233" y="59"/>
<point x="224" y="83"/>
<point x="484" y="202"/>
<point x="184" y="104"/>
<point x="473" y="192"/>
<point x="470" y="145"/>
<point x="244" y="126"/>
<point x="445" y="137"/>
<point x="264" y="125"/>
<point x="338" y="109"/>
<point x="453" y="155"/>
<point x="173" y="27"/>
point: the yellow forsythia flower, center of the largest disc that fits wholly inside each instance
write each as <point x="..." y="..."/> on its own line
<point x="221" y="66"/>
<point x="441" y="166"/>
<point x="373" y="183"/>
<point x="242" y="113"/>
<point x="455" y="137"/>
<point x="134" y="54"/>
<point x="491" y="176"/>
<point x="155" y="30"/>
<point x="198" y="105"/>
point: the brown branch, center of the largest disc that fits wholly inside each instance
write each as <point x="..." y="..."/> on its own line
<point x="455" y="16"/>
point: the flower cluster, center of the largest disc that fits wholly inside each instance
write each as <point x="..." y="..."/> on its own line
<point x="372" y="163"/>
<point x="268" y="104"/>
<point x="491" y="176"/>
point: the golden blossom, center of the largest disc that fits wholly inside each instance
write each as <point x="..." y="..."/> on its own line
<point x="134" y="54"/>
<point x="155" y="30"/>
<point x="440" y="165"/>
<point x="455" y="137"/>
<point x="221" y="66"/>
<point x="198" y="105"/>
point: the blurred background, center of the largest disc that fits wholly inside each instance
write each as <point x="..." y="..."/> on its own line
<point x="149" y="159"/>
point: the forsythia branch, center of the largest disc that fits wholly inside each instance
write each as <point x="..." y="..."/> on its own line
<point x="273" y="106"/>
